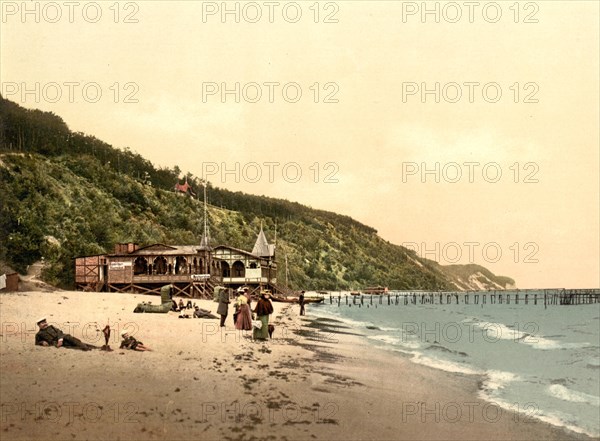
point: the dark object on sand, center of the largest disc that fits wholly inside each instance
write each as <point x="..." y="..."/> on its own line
<point x="163" y="308"/>
<point x="106" y="332"/>
<point x="271" y="330"/>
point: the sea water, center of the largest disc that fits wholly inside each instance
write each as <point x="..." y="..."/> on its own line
<point x="535" y="361"/>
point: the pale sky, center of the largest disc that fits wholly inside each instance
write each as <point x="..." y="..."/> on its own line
<point x="517" y="89"/>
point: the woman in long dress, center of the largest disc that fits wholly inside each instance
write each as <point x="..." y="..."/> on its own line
<point x="243" y="321"/>
<point x="263" y="309"/>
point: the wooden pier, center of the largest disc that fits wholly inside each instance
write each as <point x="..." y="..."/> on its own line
<point x="546" y="297"/>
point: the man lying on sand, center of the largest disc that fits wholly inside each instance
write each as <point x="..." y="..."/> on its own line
<point x="203" y="313"/>
<point x="52" y="336"/>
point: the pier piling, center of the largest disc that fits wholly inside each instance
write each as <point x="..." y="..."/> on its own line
<point x="571" y="297"/>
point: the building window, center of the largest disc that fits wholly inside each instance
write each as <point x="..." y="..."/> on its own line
<point x="180" y="265"/>
<point x="140" y="266"/>
<point x="225" y="271"/>
<point x="238" y="269"/>
<point x="160" y="265"/>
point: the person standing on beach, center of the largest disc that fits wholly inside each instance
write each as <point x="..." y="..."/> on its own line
<point x="249" y="297"/>
<point x="223" y="307"/>
<point x="243" y="321"/>
<point x="263" y="309"/>
<point x="49" y="335"/>
<point x="236" y="307"/>
<point x="301" y="303"/>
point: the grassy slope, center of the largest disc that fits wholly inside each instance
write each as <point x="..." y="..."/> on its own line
<point x="65" y="194"/>
<point x="62" y="207"/>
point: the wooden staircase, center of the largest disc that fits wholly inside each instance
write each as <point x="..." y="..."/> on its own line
<point x="205" y="289"/>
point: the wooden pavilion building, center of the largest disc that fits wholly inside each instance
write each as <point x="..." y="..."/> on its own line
<point x="253" y="269"/>
<point x="194" y="270"/>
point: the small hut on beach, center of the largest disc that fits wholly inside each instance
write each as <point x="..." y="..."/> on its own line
<point x="9" y="279"/>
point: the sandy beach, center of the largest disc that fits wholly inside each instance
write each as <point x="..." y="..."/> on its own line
<point x="313" y="380"/>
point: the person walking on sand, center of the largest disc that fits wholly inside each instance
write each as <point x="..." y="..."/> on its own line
<point x="131" y="343"/>
<point x="243" y="321"/>
<point x="301" y="303"/>
<point x="223" y="307"/>
<point x="263" y="309"/>
<point x="49" y="335"/>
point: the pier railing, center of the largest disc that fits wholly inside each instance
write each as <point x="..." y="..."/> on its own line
<point x="546" y="297"/>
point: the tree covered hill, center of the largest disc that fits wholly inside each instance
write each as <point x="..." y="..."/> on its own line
<point x="65" y="194"/>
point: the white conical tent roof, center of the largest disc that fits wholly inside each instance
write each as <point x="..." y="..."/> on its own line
<point x="262" y="247"/>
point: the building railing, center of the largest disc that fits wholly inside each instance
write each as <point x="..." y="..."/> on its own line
<point x="142" y="278"/>
<point x="249" y="280"/>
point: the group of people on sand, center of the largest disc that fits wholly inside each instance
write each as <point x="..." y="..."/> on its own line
<point x="242" y="316"/>
<point x="196" y="312"/>
<point x="49" y="335"/>
<point x="180" y="307"/>
<point x="243" y="320"/>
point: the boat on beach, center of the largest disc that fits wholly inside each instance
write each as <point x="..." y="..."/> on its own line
<point x="307" y="300"/>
